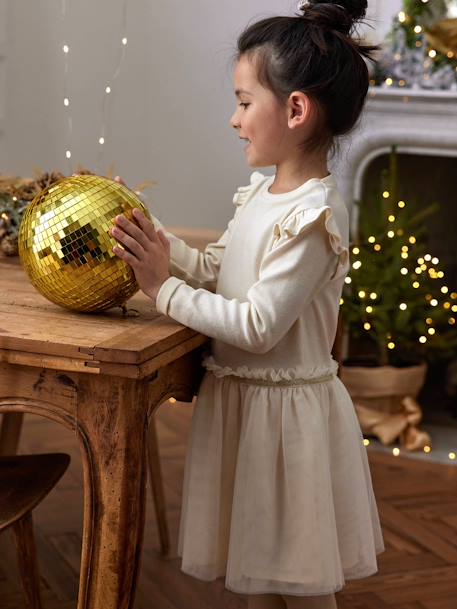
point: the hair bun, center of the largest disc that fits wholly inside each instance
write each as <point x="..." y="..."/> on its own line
<point x="339" y="15"/>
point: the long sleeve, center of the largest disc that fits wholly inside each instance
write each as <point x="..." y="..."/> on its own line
<point x="198" y="269"/>
<point x="305" y="256"/>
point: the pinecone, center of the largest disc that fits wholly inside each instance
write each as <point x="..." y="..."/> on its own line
<point x="9" y="246"/>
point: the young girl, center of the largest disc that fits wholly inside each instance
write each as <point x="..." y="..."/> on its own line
<point x="277" y="494"/>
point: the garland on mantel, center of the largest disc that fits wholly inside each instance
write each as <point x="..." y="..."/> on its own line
<point x="421" y="49"/>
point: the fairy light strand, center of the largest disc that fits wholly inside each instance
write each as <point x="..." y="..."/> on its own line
<point x="108" y="88"/>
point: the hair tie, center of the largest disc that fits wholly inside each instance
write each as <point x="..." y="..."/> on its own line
<point x="304" y="4"/>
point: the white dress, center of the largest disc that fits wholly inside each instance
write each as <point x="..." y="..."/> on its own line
<point x="277" y="492"/>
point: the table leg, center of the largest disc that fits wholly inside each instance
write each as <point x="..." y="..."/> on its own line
<point x="112" y="425"/>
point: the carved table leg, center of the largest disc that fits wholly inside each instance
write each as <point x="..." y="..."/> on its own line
<point x="112" y="415"/>
<point x="112" y="423"/>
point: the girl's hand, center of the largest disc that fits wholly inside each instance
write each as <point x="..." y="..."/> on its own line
<point x="149" y="254"/>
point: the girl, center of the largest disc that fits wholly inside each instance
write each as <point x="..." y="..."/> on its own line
<point x="277" y="493"/>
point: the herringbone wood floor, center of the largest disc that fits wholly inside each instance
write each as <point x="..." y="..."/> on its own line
<point x="417" y="502"/>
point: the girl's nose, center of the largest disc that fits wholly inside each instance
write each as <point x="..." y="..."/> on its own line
<point x="234" y="122"/>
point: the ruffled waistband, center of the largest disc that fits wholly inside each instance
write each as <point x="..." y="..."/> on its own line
<point x="286" y="376"/>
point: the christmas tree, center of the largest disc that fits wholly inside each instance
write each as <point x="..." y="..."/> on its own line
<point x="421" y="49"/>
<point x="395" y="294"/>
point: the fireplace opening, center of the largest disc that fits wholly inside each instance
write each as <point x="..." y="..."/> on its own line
<point x="422" y="180"/>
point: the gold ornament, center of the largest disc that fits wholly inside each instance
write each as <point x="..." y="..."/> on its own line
<point x="442" y="36"/>
<point x="65" y="246"/>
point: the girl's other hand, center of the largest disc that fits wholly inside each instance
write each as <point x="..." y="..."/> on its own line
<point x="149" y="254"/>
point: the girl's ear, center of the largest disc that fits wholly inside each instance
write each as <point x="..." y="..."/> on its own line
<point x="299" y="109"/>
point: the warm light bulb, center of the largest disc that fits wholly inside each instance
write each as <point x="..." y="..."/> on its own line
<point x="432" y="53"/>
<point x="66" y="48"/>
<point x="124" y="41"/>
<point x="172" y="400"/>
<point x="377" y="247"/>
<point x="362" y="294"/>
<point x="391" y="234"/>
<point x="391" y="218"/>
<point x="452" y="456"/>
<point x="445" y="289"/>
<point x="404" y="271"/>
<point x="373" y="295"/>
<point x="68" y="154"/>
<point x="101" y="140"/>
<point x="427" y="449"/>
<point x="386" y="193"/>
<point x="357" y="264"/>
<point x="366" y="442"/>
<point x="412" y="239"/>
<point x="348" y="280"/>
<point x="417" y="29"/>
<point x="391" y="345"/>
<point x="66" y="101"/>
<point x="371" y="239"/>
<point x="395" y="452"/>
<point x="422" y="339"/>
<point x="427" y="257"/>
<point x="369" y="309"/>
<point x="431" y="331"/>
<point x="403" y="306"/>
<point x="401" y="204"/>
<point x="416" y="284"/>
<point x="356" y="250"/>
<point x="367" y="326"/>
<point x="108" y="89"/>
<point x="434" y="302"/>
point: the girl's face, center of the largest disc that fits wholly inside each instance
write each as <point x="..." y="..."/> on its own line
<point x="260" y="118"/>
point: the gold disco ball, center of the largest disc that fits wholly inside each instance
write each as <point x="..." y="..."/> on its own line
<point x="65" y="246"/>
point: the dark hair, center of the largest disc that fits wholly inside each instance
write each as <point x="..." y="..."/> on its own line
<point x="314" y="52"/>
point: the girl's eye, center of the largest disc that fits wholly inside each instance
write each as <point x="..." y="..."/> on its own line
<point x="244" y="105"/>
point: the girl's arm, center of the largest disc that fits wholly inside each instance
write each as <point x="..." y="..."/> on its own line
<point x="198" y="269"/>
<point x="307" y="254"/>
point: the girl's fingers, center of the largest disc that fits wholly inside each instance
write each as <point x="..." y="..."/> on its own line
<point x="126" y="256"/>
<point x="134" y="231"/>
<point x="146" y="225"/>
<point x="128" y="241"/>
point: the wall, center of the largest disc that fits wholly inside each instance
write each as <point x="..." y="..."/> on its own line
<point x="172" y="104"/>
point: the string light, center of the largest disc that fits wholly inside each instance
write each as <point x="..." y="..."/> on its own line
<point x="395" y="452"/>
<point x="108" y="87"/>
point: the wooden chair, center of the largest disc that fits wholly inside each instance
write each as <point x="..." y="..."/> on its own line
<point x="25" y="480"/>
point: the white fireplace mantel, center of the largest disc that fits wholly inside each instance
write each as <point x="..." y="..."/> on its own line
<point x="416" y="121"/>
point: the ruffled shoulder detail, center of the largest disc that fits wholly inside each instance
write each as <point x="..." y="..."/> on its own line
<point x="244" y="192"/>
<point x="302" y="220"/>
<point x="271" y="374"/>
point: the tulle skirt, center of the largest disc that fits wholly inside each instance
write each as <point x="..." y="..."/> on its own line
<point x="277" y="494"/>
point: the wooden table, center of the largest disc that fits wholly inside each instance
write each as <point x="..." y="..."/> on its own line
<point x="101" y="375"/>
